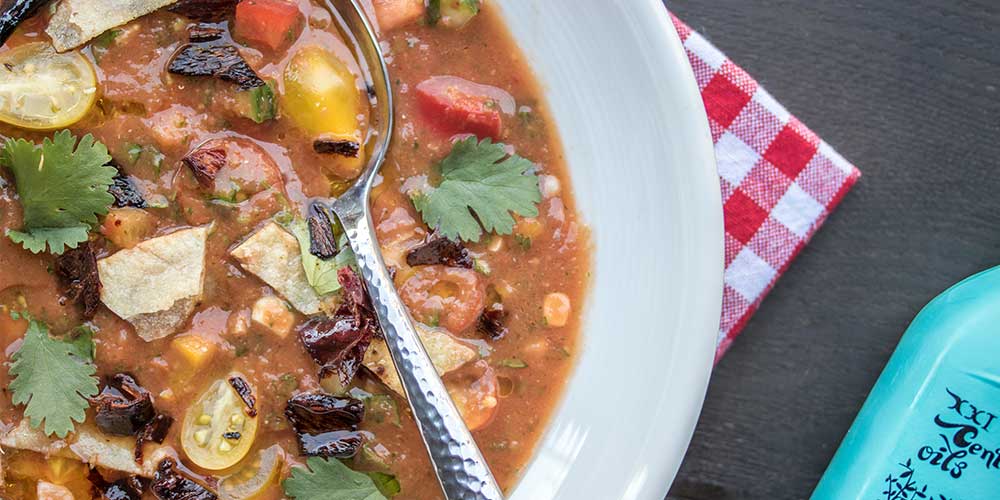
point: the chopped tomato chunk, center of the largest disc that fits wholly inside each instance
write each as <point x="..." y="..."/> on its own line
<point x="270" y="24"/>
<point x="458" y="106"/>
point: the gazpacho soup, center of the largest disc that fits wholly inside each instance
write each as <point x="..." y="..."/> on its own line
<point x="179" y="321"/>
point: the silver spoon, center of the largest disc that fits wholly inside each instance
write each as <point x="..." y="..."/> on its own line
<point x="458" y="463"/>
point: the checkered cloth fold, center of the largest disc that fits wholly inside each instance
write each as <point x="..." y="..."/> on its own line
<point x="779" y="180"/>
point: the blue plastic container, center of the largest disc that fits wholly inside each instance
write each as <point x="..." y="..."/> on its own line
<point x="930" y="428"/>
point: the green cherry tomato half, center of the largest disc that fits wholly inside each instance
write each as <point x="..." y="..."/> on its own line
<point x="253" y="479"/>
<point x="41" y="89"/>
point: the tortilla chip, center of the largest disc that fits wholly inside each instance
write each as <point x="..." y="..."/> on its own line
<point x="272" y="254"/>
<point x="88" y="445"/>
<point x="76" y="22"/>
<point x="156" y="284"/>
<point x="447" y="354"/>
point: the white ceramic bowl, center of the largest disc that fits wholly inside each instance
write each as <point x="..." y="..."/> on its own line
<point x="641" y="158"/>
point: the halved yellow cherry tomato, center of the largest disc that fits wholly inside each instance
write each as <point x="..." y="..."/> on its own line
<point x="217" y="431"/>
<point x="322" y="97"/>
<point x="321" y="94"/>
<point x="41" y="89"/>
<point x="253" y="479"/>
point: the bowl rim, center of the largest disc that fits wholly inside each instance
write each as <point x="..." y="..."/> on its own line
<point x="674" y="53"/>
<point x="659" y="459"/>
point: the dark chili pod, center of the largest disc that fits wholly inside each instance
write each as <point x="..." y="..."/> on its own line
<point x="221" y="61"/>
<point x="205" y="10"/>
<point x="123" y="408"/>
<point x="336" y="444"/>
<point x="130" y="488"/>
<point x="326" y="425"/>
<point x="316" y="413"/>
<point x="356" y="301"/>
<point x="349" y="149"/>
<point x="322" y="241"/>
<point x="440" y="251"/>
<point x="125" y="192"/>
<point x="491" y="322"/>
<point x="155" y="431"/>
<point x="76" y="269"/>
<point x="246" y="394"/>
<point x="14" y="12"/>
<point x="205" y="164"/>
<point x="338" y="344"/>
<point x="126" y="488"/>
<point x="201" y="33"/>
<point x="171" y="484"/>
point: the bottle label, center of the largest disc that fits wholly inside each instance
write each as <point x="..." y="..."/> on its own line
<point x="956" y="449"/>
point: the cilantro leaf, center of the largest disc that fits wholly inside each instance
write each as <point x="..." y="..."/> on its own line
<point x="321" y="274"/>
<point x="480" y="186"/>
<point x="63" y="187"/>
<point x="54" y="378"/>
<point x="329" y="480"/>
<point x="386" y="483"/>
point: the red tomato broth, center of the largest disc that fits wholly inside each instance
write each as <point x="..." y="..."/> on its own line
<point x="167" y="115"/>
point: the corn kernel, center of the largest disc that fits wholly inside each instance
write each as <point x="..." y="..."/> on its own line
<point x="556" y="309"/>
<point x="194" y="350"/>
<point x="224" y="446"/>
<point x="204" y="419"/>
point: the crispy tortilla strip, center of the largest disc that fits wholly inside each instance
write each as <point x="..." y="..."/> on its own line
<point x="76" y="22"/>
<point x="156" y="284"/>
<point x="446" y="353"/>
<point x="88" y="445"/>
<point x="272" y="254"/>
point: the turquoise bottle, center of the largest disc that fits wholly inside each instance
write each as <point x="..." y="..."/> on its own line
<point x="930" y="429"/>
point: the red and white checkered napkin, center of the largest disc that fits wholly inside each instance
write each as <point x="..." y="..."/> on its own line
<point x="779" y="180"/>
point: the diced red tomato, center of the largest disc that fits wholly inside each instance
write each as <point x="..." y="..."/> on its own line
<point x="270" y="24"/>
<point x="458" y="106"/>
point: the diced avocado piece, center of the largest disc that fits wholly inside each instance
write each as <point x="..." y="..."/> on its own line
<point x="259" y="103"/>
<point x="452" y="13"/>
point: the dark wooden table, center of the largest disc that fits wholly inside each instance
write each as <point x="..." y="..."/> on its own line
<point x="907" y="90"/>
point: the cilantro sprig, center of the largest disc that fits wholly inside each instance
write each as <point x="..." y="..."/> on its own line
<point x="54" y="377"/>
<point x="481" y="185"/>
<point x="330" y="480"/>
<point x="63" y="187"/>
